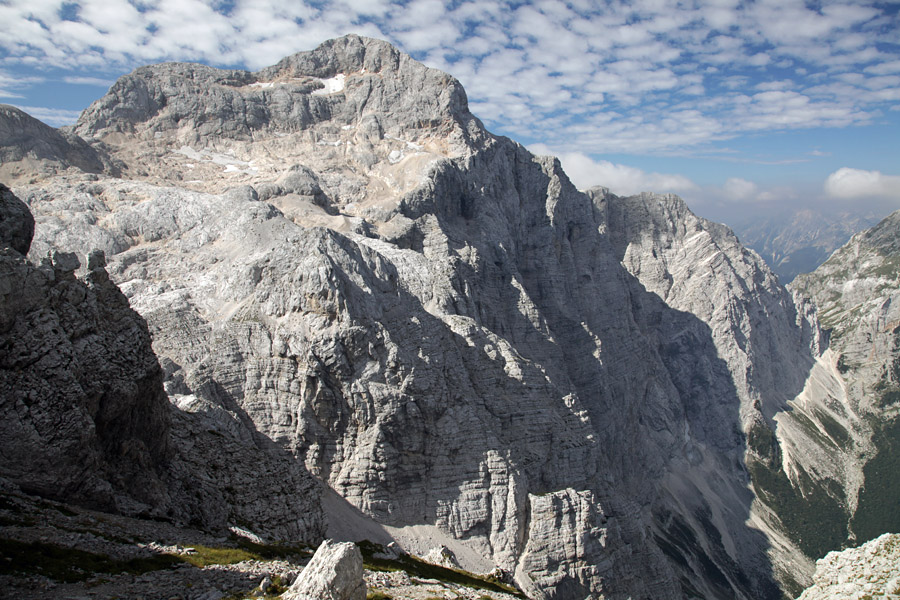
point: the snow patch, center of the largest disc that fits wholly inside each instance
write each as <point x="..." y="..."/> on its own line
<point x="229" y="161"/>
<point x="332" y="85"/>
<point x="409" y="145"/>
<point x="395" y="156"/>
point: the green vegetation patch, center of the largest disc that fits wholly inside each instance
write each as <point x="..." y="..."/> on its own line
<point x="70" y="565"/>
<point x="812" y="515"/>
<point x="879" y="500"/>
<point x="244" y="550"/>
<point x="416" y="567"/>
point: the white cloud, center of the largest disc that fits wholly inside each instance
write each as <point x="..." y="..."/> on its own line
<point x="55" y="117"/>
<point x="621" y="180"/>
<point x="11" y="86"/>
<point x="736" y="189"/>
<point x="850" y="184"/>
<point x="98" y="81"/>
<point x="675" y="75"/>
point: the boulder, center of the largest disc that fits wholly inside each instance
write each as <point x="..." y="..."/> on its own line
<point x="334" y="573"/>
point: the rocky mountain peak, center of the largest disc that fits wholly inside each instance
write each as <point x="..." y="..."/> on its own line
<point x="353" y="284"/>
<point x="363" y="121"/>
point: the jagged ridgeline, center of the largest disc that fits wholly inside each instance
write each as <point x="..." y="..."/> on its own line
<point x="348" y="279"/>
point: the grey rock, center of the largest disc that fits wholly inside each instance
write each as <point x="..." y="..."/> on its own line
<point x="85" y="415"/>
<point x="437" y="325"/>
<point x="857" y="293"/>
<point x="29" y="148"/>
<point x="223" y="473"/>
<point x="16" y="222"/>
<point x="65" y="262"/>
<point x="442" y="556"/>
<point x="869" y="571"/>
<point x="334" y="573"/>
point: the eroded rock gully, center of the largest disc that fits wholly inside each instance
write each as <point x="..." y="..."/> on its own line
<point x="346" y="276"/>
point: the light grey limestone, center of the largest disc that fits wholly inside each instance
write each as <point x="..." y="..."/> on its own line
<point x="334" y="573"/>
<point x="869" y="571"/>
<point x="343" y="270"/>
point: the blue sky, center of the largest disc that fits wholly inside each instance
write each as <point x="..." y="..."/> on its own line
<point x="733" y="105"/>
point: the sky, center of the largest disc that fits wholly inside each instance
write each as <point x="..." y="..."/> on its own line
<point x="738" y="107"/>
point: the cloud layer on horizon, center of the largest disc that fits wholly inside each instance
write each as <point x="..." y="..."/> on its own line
<point x="853" y="184"/>
<point x="593" y="78"/>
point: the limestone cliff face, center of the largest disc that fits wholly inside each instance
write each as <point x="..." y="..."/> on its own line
<point x="85" y="418"/>
<point x="336" y="261"/>
<point x="857" y="292"/>
<point x="869" y="571"/>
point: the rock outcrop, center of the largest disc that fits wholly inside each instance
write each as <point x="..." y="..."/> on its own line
<point x="31" y="150"/>
<point x="857" y="292"/>
<point x="343" y="272"/>
<point x="869" y="571"/>
<point x="85" y="417"/>
<point x="334" y="573"/>
<point x="16" y="222"/>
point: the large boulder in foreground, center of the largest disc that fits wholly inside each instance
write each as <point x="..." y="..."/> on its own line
<point x="334" y="573"/>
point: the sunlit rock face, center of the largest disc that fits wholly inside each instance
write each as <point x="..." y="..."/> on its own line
<point x="857" y="292"/>
<point x="867" y="571"/>
<point x="335" y="258"/>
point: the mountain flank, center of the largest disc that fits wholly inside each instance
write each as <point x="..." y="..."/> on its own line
<point x="372" y="319"/>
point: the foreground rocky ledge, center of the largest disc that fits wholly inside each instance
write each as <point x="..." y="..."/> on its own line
<point x="51" y="550"/>
<point x="870" y="571"/>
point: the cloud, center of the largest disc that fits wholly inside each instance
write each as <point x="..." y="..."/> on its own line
<point x="54" y="117"/>
<point x="98" y="81"/>
<point x="736" y="190"/>
<point x="674" y="75"/>
<point x="12" y="86"/>
<point x="851" y="184"/>
<point x="621" y="180"/>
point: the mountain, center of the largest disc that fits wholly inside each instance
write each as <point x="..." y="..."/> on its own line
<point x="857" y="292"/>
<point x="87" y="419"/>
<point x="346" y="278"/>
<point x="801" y="240"/>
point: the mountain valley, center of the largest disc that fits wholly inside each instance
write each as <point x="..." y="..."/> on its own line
<point x="321" y="300"/>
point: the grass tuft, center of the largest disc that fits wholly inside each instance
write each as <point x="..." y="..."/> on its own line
<point x="70" y="565"/>
<point x="419" y="568"/>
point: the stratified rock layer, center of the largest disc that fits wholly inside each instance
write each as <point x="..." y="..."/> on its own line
<point x="342" y="270"/>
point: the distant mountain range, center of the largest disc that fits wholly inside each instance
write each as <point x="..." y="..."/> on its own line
<point x="799" y="241"/>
